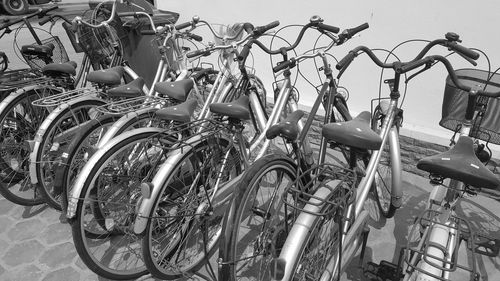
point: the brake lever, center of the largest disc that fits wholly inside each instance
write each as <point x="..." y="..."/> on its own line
<point x="427" y="67"/>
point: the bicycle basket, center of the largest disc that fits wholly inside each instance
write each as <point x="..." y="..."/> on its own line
<point x="100" y="44"/>
<point x="59" y="54"/>
<point x="454" y="105"/>
<point x="339" y="184"/>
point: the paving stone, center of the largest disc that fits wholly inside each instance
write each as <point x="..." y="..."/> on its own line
<point x="5" y="206"/>
<point x="79" y="263"/>
<point x="17" y="212"/>
<point x="67" y="273"/>
<point x="56" y="233"/>
<point x="2" y="270"/>
<point x="4" y="244"/>
<point x="24" y="252"/>
<point x="6" y="223"/>
<point x="50" y="215"/>
<point x="25" y="273"/>
<point x="25" y="230"/>
<point x="58" y="255"/>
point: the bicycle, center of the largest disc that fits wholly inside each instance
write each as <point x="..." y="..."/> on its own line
<point x="60" y="128"/>
<point x="330" y="230"/>
<point x="130" y="158"/>
<point x="171" y="225"/>
<point x="439" y="230"/>
<point x="254" y="224"/>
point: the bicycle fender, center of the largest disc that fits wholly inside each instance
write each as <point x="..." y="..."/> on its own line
<point x="146" y="205"/>
<point x="82" y="178"/>
<point x="13" y="95"/>
<point x="45" y="125"/>
<point x="124" y="121"/>
<point x="298" y="234"/>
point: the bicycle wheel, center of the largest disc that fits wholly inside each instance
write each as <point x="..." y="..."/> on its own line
<point x="383" y="182"/>
<point x="54" y="136"/>
<point x="256" y="224"/>
<point x="315" y="239"/>
<point x="184" y="226"/>
<point x="102" y="227"/>
<point x="19" y="122"/>
<point x="78" y="152"/>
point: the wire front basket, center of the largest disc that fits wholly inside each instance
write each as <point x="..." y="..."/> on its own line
<point x="336" y="183"/>
<point x="59" y="54"/>
<point x="99" y="44"/>
<point x="486" y="126"/>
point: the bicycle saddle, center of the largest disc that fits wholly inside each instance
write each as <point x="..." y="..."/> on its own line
<point x="129" y="90"/>
<point x="460" y="163"/>
<point x="356" y="132"/>
<point x="54" y="69"/>
<point x="181" y="112"/>
<point x="287" y="128"/>
<point x="177" y="90"/>
<point x="110" y="76"/>
<point x="238" y="109"/>
<point x="38" y="50"/>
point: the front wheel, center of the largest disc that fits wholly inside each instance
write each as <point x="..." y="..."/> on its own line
<point x="257" y="222"/>
<point x="105" y="211"/>
<point x="388" y="170"/>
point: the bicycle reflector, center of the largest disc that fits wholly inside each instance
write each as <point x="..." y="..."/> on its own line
<point x="146" y="189"/>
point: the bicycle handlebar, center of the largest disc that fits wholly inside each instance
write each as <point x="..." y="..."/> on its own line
<point x="40" y="13"/>
<point x="47" y="19"/>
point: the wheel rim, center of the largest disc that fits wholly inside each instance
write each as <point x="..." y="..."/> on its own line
<point x="260" y="228"/>
<point x="383" y="176"/>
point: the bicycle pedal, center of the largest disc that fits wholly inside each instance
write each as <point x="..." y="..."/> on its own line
<point x="384" y="271"/>
<point x="489" y="247"/>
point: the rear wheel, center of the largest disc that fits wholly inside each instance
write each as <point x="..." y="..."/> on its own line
<point x="103" y="225"/>
<point x="55" y="139"/>
<point x="184" y="229"/>
<point x="19" y="122"/>
<point x="260" y="222"/>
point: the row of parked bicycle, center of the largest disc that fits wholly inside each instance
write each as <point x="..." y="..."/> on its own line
<point x="156" y="178"/>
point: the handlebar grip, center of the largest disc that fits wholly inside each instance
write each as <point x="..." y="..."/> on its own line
<point x="354" y="30"/>
<point x="283" y="65"/>
<point x="197" y="53"/>
<point x="248" y="27"/>
<point x="127" y="14"/>
<point x="327" y="27"/>
<point x="45" y="20"/>
<point x="244" y="52"/>
<point x="259" y="30"/>
<point x="195" y="37"/>
<point x="345" y="61"/>
<point x="183" y="25"/>
<point x="464" y="51"/>
<point x="147" y="32"/>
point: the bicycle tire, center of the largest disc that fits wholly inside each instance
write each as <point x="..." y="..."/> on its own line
<point x="102" y="219"/>
<point x="384" y="179"/>
<point x="77" y="153"/>
<point x="163" y="252"/>
<point x="19" y="120"/>
<point x="256" y="195"/>
<point x="71" y="119"/>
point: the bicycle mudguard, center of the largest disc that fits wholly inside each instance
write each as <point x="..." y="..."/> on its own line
<point x="47" y="122"/>
<point x="158" y="182"/>
<point x="82" y="177"/>
<point x="19" y="92"/>
<point x="121" y="124"/>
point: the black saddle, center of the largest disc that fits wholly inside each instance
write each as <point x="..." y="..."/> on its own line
<point x="460" y="163"/>
<point x="180" y="113"/>
<point x="288" y="128"/>
<point x="238" y="109"/>
<point x="355" y="133"/>
<point x="177" y="90"/>
<point x="55" y="69"/>
<point x="111" y="76"/>
<point x="129" y="90"/>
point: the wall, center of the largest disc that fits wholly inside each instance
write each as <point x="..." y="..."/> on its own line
<point x="391" y="22"/>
